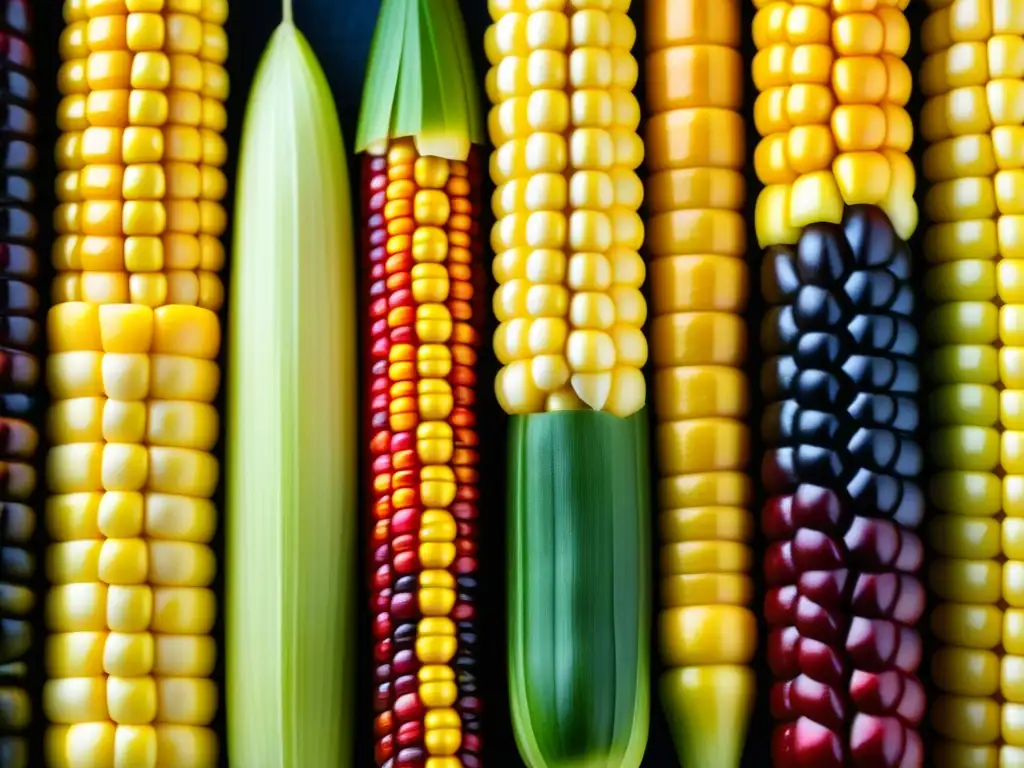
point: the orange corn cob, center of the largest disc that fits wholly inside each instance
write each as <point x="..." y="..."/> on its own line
<point x="699" y="285"/>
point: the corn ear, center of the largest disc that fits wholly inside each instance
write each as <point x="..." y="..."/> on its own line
<point x="19" y="401"/>
<point x="291" y="461"/>
<point x="972" y="79"/>
<point x="841" y="381"/>
<point x="696" y="151"/>
<point x="567" y="239"/>
<point x="422" y="247"/>
<point x="133" y="342"/>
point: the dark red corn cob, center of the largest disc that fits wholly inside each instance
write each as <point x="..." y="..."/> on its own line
<point x="423" y="246"/>
<point x="843" y="595"/>
<point x="19" y="379"/>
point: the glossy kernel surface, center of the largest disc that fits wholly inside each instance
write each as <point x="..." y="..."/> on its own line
<point x="699" y="280"/>
<point x="831" y="112"/>
<point x="133" y="374"/>
<point x="567" y="233"/>
<point x="844" y="594"/>
<point x="971" y="78"/>
<point x="423" y="247"/>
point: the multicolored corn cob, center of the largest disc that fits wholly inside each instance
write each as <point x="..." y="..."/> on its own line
<point x="20" y="378"/>
<point x="842" y="383"/>
<point x="699" y="284"/>
<point x="973" y="80"/>
<point x="134" y="339"/>
<point x="423" y="247"/>
<point x="571" y="311"/>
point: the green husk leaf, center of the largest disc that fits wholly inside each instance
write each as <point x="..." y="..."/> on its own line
<point x="291" y="467"/>
<point x="420" y="82"/>
<point x="579" y="589"/>
<point x="477" y="127"/>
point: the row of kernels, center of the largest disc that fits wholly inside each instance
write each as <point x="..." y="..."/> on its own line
<point x="96" y="515"/>
<point x="695" y="148"/>
<point x="98" y="607"/>
<point x="141" y="745"/>
<point x="21" y="374"/>
<point x="970" y="573"/>
<point x="973" y="155"/>
<point x="213" y="186"/>
<point x="125" y="653"/>
<point x="72" y="122"/>
<point x="390" y="454"/>
<point x="976" y="109"/>
<point x="125" y="558"/>
<point x="975" y="723"/>
<point x="157" y="423"/>
<point x="948" y="23"/>
<point x="1004" y="93"/>
<point x="126" y="91"/>
<point x="454" y="734"/>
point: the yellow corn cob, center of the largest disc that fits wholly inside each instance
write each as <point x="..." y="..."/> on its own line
<point x="568" y="234"/>
<point x="567" y="238"/>
<point x="696" y="195"/>
<point x="831" y="113"/>
<point x="972" y="80"/>
<point x="134" y="339"/>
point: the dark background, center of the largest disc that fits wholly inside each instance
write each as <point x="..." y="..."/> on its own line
<point x="340" y="32"/>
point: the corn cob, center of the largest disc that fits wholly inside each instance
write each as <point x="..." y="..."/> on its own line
<point x="291" y="475"/>
<point x="421" y="133"/>
<point x="133" y="340"/>
<point x="972" y="80"/>
<point x="19" y="423"/>
<point x="567" y="238"/>
<point x="837" y="207"/>
<point x="695" y="196"/>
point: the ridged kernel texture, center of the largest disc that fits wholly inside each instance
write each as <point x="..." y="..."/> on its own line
<point x="134" y="340"/>
<point x="20" y="379"/>
<point x="831" y="110"/>
<point x="422" y="238"/>
<point x="567" y="234"/>
<point x="843" y="595"/>
<point x="696" y="151"/>
<point x="974" y="162"/>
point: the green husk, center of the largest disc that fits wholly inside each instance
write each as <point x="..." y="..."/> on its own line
<point x="292" y="426"/>
<point x="420" y="82"/>
<point x="579" y="589"/>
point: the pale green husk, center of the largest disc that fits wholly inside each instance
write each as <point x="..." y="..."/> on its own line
<point x="292" y="426"/>
<point x="579" y="589"/>
<point x="420" y="82"/>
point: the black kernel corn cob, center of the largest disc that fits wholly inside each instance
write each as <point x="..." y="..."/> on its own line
<point x="843" y="595"/>
<point x="19" y="378"/>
